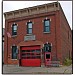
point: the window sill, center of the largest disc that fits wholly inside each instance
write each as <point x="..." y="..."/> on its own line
<point x="14" y="59"/>
<point x="29" y="34"/>
<point x="14" y="35"/>
<point x="46" y="32"/>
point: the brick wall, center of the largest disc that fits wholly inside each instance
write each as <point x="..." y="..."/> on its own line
<point x="58" y="34"/>
<point x="66" y="37"/>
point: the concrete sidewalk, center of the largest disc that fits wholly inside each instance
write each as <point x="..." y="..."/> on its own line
<point x="11" y="69"/>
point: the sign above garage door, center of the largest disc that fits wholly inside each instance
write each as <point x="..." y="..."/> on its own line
<point x="29" y="37"/>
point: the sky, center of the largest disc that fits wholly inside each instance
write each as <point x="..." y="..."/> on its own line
<point x="15" y="5"/>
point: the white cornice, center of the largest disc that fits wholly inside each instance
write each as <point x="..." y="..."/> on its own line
<point x="32" y="10"/>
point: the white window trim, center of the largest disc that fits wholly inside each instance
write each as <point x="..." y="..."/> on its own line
<point x="50" y="19"/>
<point x="29" y="21"/>
<point x="14" y="23"/>
<point x="26" y="23"/>
<point x="46" y="32"/>
<point x="46" y="19"/>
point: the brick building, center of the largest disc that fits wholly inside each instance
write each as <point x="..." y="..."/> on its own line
<point x="37" y="35"/>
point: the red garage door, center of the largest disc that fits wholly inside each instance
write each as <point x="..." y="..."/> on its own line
<point x="31" y="56"/>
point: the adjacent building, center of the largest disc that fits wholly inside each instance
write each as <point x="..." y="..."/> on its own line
<point x="37" y="36"/>
<point x="3" y="31"/>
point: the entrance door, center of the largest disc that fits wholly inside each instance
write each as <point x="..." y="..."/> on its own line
<point x="47" y="58"/>
<point x="31" y="56"/>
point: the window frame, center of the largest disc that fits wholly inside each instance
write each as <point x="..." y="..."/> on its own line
<point x="25" y="54"/>
<point x="29" y="28"/>
<point x="45" y="31"/>
<point x="14" y="32"/>
<point x="16" y="53"/>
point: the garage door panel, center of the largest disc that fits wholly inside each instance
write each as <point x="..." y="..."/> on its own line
<point x="31" y="62"/>
<point x="30" y="48"/>
<point x="31" y="56"/>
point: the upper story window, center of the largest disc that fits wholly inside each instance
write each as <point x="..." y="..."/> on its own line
<point x="29" y="28"/>
<point x="47" y="25"/>
<point x="14" y="52"/>
<point x="14" y="29"/>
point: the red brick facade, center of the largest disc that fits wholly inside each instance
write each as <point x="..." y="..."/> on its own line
<point x="60" y="34"/>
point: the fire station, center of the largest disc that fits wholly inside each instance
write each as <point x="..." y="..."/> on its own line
<point x="36" y="36"/>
